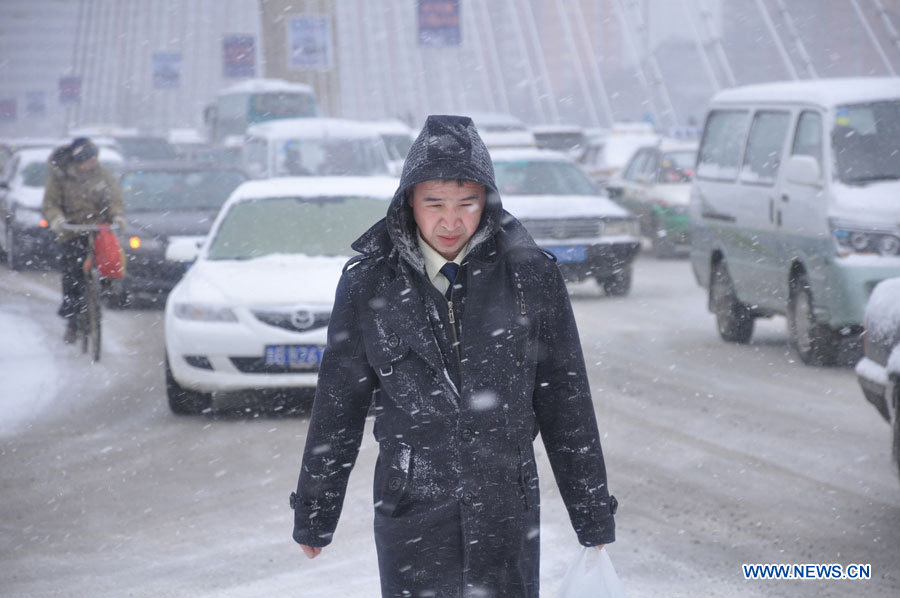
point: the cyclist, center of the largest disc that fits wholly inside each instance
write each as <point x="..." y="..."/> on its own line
<point x="79" y="191"/>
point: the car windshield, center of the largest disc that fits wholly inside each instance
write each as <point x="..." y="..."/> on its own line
<point x="563" y="142"/>
<point x="536" y="177"/>
<point x="163" y="190"/>
<point x="35" y="174"/>
<point x="677" y="167"/>
<point x="294" y="225"/>
<point x="331" y="157"/>
<point x="866" y="141"/>
<point x="144" y="148"/>
<point x="397" y="145"/>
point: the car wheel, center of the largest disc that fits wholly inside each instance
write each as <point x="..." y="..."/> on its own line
<point x="896" y="400"/>
<point x="183" y="401"/>
<point x="13" y="259"/>
<point x="733" y="318"/>
<point x="815" y="342"/>
<point x="116" y="297"/>
<point x="617" y="285"/>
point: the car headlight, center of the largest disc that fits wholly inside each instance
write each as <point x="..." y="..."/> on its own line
<point x="852" y="238"/>
<point x="202" y="312"/>
<point x="28" y="217"/>
<point x="621" y="228"/>
<point x="145" y="243"/>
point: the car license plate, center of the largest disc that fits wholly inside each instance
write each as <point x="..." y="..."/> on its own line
<point x="294" y="356"/>
<point x="569" y="253"/>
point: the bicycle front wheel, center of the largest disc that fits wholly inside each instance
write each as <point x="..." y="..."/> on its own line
<point x="92" y="296"/>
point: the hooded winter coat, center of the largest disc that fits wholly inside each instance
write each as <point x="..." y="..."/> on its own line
<point x="456" y="490"/>
<point x="80" y="198"/>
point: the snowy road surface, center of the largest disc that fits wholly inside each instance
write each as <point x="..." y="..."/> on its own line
<point x="719" y="454"/>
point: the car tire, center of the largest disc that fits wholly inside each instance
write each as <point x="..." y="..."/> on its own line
<point x="183" y="401"/>
<point x="896" y="399"/>
<point x="617" y="285"/>
<point x="13" y="259"/>
<point x="733" y="319"/>
<point x="814" y="341"/>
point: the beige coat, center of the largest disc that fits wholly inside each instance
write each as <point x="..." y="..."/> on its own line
<point x="80" y="198"/>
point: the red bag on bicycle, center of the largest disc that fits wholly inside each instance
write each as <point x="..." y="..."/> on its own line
<point x="109" y="254"/>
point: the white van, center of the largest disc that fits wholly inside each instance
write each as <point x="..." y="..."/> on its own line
<point x="314" y="147"/>
<point x="795" y="206"/>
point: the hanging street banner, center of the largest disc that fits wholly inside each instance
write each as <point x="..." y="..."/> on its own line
<point x="35" y="103"/>
<point x="238" y="56"/>
<point x="69" y="90"/>
<point x="166" y="70"/>
<point x="439" y="23"/>
<point x="309" y="43"/>
<point x="7" y="109"/>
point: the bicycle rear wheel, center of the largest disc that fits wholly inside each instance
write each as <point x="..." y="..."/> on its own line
<point x="92" y="299"/>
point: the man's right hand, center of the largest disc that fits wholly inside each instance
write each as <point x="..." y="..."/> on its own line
<point x="311" y="552"/>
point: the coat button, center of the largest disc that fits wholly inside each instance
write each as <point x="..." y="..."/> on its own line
<point x="393" y="341"/>
<point x="468" y="498"/>
<point x="467" y="435"/>
<point x="394" y="484"/>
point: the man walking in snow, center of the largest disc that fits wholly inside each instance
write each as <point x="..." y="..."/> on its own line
<point x="460" y="329"/>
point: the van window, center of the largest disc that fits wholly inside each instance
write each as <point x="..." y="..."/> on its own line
<point x="866" y="141"/>
<point x="764" y="146"/>
<point x="808" y="137"/>
<point x="720" y="151"/>
<point x="637" y="165"/>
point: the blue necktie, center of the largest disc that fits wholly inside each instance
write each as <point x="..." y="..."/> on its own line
<point x="449" y="271"/>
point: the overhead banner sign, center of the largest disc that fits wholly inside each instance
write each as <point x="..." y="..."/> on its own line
<point x="69" y="90"/>
<point x="309" y="43"/>
<point x="439" y="23"/>
<point x="7" y="109"/>
<point x="166" y="70"/>
<point x="35" y="103"/>
<point x="238" y="56"/>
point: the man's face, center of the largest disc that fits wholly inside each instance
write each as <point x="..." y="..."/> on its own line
<point x="447" y="213"/>
<point x="87" y="165"/>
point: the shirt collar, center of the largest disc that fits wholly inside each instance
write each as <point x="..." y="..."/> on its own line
<point x="434" y="261"/>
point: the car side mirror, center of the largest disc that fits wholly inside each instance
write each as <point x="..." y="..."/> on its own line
<point x="4" y="185"/>
<point x="182" y="250"/>
<point x="614" y="191"/>
<point x="804" y="170"/>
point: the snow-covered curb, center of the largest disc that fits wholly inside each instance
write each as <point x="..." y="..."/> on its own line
<point x="28" y="371"/>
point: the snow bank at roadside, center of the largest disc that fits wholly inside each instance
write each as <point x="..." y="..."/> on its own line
<point x="28" y="374"/>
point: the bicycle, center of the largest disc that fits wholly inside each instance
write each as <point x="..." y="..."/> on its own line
<point x="87" y="316"/>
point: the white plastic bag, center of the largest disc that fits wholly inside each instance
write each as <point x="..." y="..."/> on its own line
<point x="591" y="575"/>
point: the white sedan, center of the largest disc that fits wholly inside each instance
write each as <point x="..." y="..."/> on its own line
<point x="252" y="312"/>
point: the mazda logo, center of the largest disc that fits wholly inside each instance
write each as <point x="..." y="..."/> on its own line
<point x="302" y="319"/>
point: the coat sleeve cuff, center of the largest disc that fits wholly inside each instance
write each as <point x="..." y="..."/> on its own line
<point x="311" y="526"/>
<point x="601" y="529"/>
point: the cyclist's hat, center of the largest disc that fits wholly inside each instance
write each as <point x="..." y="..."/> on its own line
<point x="82" y="150"/>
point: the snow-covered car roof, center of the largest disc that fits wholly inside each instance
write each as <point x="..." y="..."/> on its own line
<point x="489" y="120"/>
<point x="308" y="186"/>
<point x="266" y="86"/>
<point x="40" y="154"/>
<point x="390" y="127"/>
<point x="822" y="92"/>
<point x="292" y="128"/>
<point x="527" y="153"/>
